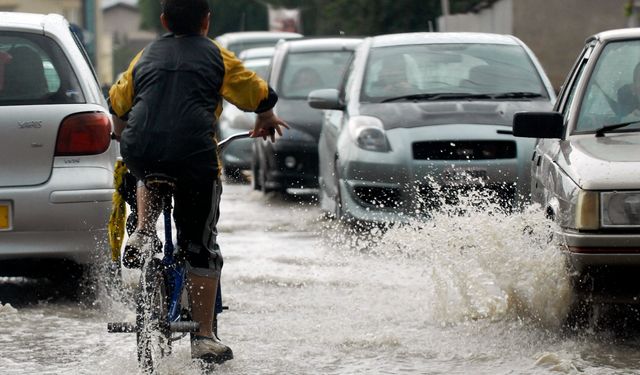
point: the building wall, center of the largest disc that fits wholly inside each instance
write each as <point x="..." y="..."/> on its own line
<point x="555" y="30"/>
<point x="123" y="22"/>
<point x="558" y="32"/>
<point x="70" y="9"/>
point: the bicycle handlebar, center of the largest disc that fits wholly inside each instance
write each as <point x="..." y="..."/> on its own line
<point x="225" y="142"/>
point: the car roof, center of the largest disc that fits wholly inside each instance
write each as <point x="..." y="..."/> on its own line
<point x="256" y="35"/>
<point x="256" y="53"/>
<point x="32" y="21"/>
<point x="441" y="38"/>
<point x="320" y="44"/>
<point x="628" y="33"/>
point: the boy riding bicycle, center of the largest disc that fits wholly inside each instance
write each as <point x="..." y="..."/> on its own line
<point x="164" y="110"/>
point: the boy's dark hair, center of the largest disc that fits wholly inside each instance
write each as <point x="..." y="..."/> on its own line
<point x="185" y="16"/>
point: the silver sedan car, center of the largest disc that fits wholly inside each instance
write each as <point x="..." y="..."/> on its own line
<point x="424" y="117"/>
<point x="586" y="163"/>
<point x="56" y="153"/>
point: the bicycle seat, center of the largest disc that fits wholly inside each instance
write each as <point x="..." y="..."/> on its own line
<point x="156" y="181"/>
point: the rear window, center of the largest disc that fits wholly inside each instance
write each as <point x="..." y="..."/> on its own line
<point x="308" y="71"/>
<point x="34" y="70"/>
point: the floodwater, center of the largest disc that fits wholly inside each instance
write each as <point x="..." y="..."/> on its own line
<point x="474" y="293"/>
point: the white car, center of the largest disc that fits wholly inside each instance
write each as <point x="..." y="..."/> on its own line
<point x="586" y="163"/>
<point x="424" y="117"/>
<point x="56" y="152"/>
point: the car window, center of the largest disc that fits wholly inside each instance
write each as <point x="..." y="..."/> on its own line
<point x="568" y="91"/>
<point x="611" y="95"/>
<point x="449" y="68"/>
<point x="308" y="71"/>
<point x="34" y="70"/>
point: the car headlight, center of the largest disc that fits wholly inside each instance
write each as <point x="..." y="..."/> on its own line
<point x="588" y="210"/>
<point x="368" y="133"/>
<point x="620" y="208"/>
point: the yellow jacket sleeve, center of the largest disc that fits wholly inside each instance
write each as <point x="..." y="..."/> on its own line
<point x="121" y="93"/>
<point x="240" y="86"/>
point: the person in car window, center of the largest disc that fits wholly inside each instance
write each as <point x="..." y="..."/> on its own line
<point x="630" y="98"/>
<point x="304" y="81"/>
<point x="164" y="109"/>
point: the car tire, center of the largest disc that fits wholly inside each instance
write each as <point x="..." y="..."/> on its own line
<point x="232" y="173"/>
<point x="338" y="212"/>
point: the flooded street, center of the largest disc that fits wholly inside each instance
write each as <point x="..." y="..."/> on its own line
<point x="478" y="293"/>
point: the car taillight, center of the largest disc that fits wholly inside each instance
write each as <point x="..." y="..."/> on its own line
<point x="84" y="134"/>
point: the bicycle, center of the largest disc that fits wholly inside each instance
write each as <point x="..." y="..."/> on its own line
<point x="162" y="308"/>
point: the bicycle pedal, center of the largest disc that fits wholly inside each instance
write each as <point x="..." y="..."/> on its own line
<point x="121" y="327"/>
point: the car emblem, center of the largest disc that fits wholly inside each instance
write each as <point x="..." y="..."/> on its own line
<point x="34" y="124"/>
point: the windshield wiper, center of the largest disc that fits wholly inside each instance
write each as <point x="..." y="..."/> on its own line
<point x="607" y="128"/>
<point x="438" y="96"/>
<point x="516" y="95"/>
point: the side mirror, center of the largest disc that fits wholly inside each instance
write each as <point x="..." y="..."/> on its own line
<point x="325" y="99"/>
<point x="538" y="125"/>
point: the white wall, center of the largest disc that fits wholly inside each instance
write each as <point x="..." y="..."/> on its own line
<point x="497" y="19"/>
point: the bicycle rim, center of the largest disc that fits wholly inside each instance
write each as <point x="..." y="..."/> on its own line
<point x="153" y="336"/>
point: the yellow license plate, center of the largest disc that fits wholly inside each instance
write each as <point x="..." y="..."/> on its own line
<point x="5" y="222"/>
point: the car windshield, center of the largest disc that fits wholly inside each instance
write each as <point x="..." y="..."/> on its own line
<point x="34" y="70"/>
<point x="238" y="47"/>
<point x="308" y="71"/>
<point x="260" y="66"/>
<point x="612" y="92"/>
<point x="483" y="71"/>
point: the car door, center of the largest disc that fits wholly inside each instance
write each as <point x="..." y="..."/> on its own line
<point x="332" y="124"/>
<point x="545" y="174"/>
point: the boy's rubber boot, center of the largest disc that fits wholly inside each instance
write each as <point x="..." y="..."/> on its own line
<point x="210" y="350"/>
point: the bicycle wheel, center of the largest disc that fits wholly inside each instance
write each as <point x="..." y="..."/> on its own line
<point x="153" y="334"/>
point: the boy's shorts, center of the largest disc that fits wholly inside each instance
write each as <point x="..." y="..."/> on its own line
<point x="196" y="204"/>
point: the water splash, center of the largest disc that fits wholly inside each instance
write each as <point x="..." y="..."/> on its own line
<point x="479" y="261"/>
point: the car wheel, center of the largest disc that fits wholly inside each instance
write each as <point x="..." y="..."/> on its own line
<point x="232" y="173"/>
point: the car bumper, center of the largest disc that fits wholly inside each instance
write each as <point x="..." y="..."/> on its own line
<point x="395" y="186"/>
<point x="293" y="165"/>
<point x="66" y="217"/>
<point x="238" y="154"/>
<point x="601" y="250"/>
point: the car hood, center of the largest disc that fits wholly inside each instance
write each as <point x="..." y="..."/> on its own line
<point x="602" y="163"/>
<point x="300" y="116"/>
<point x="408" y="115"/>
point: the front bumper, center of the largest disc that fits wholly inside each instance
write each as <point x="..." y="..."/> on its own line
<point x="64" y="218"/>
<point x="586" y="250"/>
<point x="396" y="186"/>
<point x="292" y="165"/>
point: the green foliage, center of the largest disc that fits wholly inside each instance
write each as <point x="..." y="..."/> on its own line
<point x="322" y="17"/>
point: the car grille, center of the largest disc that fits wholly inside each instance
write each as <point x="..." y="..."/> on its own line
<point x="380" y="197"/>
<point x="464" y="150"/>
<point x="431" y="198"/>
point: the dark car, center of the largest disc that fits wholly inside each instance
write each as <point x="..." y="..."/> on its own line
<point x="299" y="67"/>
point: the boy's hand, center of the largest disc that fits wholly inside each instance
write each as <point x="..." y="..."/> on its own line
<point x="267" y="124"/>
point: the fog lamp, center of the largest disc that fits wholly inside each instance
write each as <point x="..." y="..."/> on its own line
<point x="290" y="162"/>
<point x="588" y="210"/>
<point x="621" y="208"/>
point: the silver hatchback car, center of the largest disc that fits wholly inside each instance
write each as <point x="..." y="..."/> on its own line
<point x="423" y="118"/>
<point x="56" y="153"/>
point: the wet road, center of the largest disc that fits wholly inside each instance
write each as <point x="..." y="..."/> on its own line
<point x="470" y="294"/>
